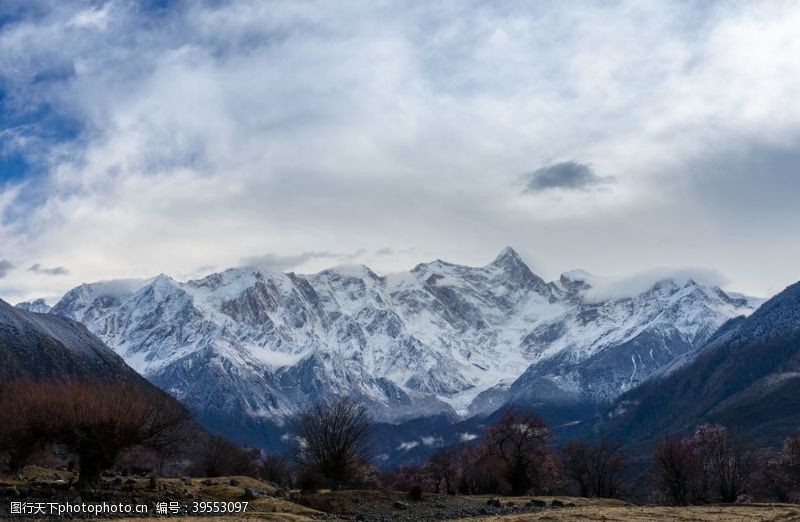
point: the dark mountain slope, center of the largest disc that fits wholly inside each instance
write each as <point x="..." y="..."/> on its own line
<point x="747" y="377"/>
<point x="43" y="346"/>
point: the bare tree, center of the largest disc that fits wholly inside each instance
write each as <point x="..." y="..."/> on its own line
<point x="96" y="420"/>
<point x="26" y="421"/>
<point x="779" y="471"/>
<point x="442" y="468"/>
<point x="596" y="470"/>
<point x="723" y="464"/>
<point x="477" y="473"/>
<point x="519" y="442"/>
<point x="104" y="419"/>
<point x="709" y="466"/>
<point x="673" y="469"/>
<point x="216" y="456"/>
<point x="332" y="439"/>
<point x="275" y="468"/>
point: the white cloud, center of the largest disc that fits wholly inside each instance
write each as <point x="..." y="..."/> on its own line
<point x="432" y="441"/>
<point x="466" y="437"/>
<point x="405" y="446"/>
<point x="217" y="132"/>
<point x="605" y="288"/>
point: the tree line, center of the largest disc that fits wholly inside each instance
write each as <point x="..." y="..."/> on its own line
<point x="94" y="427"/>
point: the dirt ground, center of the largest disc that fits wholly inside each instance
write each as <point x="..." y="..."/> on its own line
<point x="268" y="502"/>
<point x="750" y="513"/>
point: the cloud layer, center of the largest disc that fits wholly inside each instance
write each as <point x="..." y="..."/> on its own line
<point x="141" y="138"/>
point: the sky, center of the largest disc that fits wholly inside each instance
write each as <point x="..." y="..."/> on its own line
<point x="139" y="138"/>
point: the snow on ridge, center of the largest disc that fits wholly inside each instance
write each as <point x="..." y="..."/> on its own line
<point x="441" y="334"/>
<point x="625" y="287"/>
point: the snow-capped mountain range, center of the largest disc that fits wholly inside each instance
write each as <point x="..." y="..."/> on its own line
<point x="246" y="347"/>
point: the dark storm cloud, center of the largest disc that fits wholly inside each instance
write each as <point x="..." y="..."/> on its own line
<point x="5" y="267"/>
<point x="55" y="271"/>
<point x="568" y="175"/>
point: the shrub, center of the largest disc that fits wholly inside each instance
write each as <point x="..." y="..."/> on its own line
<point x="595" y="470"/>
<point x="415" y="492"/>
<point x="216" y="456"/>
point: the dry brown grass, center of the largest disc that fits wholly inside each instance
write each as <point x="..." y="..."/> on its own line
<point x="347" y="503"/>
<point x="264" y="508"/>
<point x="268" y="508"/>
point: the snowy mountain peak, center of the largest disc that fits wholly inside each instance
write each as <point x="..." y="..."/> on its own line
<point x="510" y="261"/>
<point x="507" y="256"/>
<point x="443" y="337"/>
<point x="352" y="271"/>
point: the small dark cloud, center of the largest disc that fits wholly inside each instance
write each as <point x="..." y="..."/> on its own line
<point x="384" y="252"/>
<point x="5" y="267"/>
<point x="55" y="271"/>
<point x="568" y="175"/>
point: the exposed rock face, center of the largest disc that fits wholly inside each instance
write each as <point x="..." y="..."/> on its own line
<point x="242" y="346"/>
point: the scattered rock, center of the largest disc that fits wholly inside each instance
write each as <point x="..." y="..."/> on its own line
<point x="360" y="516"/>
<point x="233" y="482"/>
<point x="557" y="504"/>
<point x="250" y="494"/>
<point x="493" y="502"/>
<point x="537" y="503"/>
<point x="207" y="482"/>
<point x="399" y="505"/>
